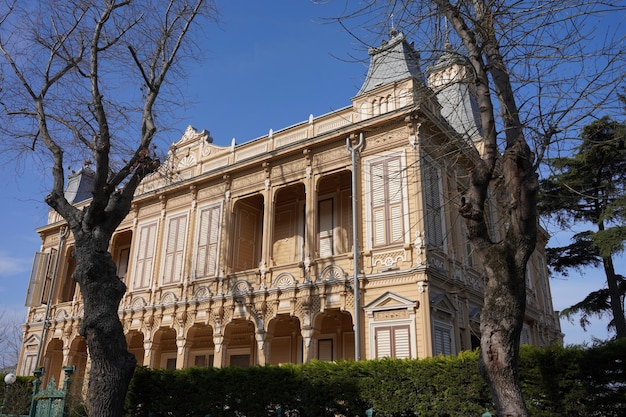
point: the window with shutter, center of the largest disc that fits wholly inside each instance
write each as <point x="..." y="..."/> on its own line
<point x="208" y="240"/>
<point x="326" y="227"/>
<point x="286" y="237"/>
<point x="174" y="250"/>
<point x="145" y="256"/>
<point x="386" y="190"/>
<point x="325" y="350"/>
<point x="122" y="262"/>
<point x="383" y="342"/>
<point x="402" y="343"/>
<point x="247" y="238"/>
<point x="37" y="282"/>
<point x="442" y="339"/>
<point x="432" y="201"/>
<point x="393" y="341"/>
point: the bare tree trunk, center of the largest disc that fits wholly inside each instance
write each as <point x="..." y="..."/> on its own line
<point x="500" y="327"/>
<point x="112" y="366"/>
<point x="505" y="262"/>
<point x="617" y="305"/>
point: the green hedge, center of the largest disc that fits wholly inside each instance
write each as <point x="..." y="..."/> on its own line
<point x="16" y="397"/>
<point x="557" y="381"/>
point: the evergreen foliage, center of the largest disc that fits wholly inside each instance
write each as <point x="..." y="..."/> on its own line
<point x="556" y="381"/>
<point x="588" y="188"/>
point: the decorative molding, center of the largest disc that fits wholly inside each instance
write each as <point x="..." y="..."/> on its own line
<point x="285" y="280"/>
<point x="332" y="273"/>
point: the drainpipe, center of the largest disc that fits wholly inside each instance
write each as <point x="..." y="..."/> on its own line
<point x="44" y="327"/>
<point x="355" y="247"/>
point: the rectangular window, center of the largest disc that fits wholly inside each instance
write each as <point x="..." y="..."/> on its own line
<point x="122" y="262"/>
<point x="287" y="239"/>
<point x="393" y="342"/>
<point x="240" y="361"/>
<point x="145" y="256"/>
<point x="387" y="199"/>
<point x="326" y="227"/>
<point x="28" y="364"/>
<point x="325" y="350"/>
<point x="442" y="339"/>
<point x="208" y="240"/>
<point x="433" y="207"/>
<point x="247" y="238"/>
<point x="38" y="280"/>
<point x="170" y="363"/>
<point x="173" y="268"/>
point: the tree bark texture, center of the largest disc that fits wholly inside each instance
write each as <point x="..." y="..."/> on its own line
<point x="505" y="261"/>
<point x="615" y="296"/>
<point x="112" y="366"/>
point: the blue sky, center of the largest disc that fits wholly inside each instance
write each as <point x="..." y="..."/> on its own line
<point x="266" y="65"/>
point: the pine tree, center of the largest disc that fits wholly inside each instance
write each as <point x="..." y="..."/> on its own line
<point x="589" y="188"/>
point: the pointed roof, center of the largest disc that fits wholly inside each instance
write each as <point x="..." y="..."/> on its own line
<point x="447" y="59"/>
<point x="394" y="60"/>
<point x="80" y="185"/>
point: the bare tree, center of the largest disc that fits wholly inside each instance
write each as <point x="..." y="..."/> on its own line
<point x="10" y="341"/>
<point x="82" y="82"/>
<point x="539" y="69"/>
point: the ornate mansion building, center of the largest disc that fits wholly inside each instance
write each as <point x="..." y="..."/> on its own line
<point x="336" y="238"/>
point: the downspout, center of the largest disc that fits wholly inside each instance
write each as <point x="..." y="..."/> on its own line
<point x="355" y="247"/>
<point x="44" y="327"/>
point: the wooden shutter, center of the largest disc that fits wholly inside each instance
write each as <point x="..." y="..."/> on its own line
<point x="173" y="268"/>
<point x="387" y="191"/>
<point x="432" y="201"/>
<point x="393" y="341"/>
<point x="325" y="350"/>
<point x="383" y="342"/>
<point x="395" y="200"/>
<point x="344" y="238"/>
<point x="443" y="341"/>
<point x="379" y="213"/>
<point x="145" y="255"/>
<point x="122" y="262"/>
<point x="36" y="284"/>
<point x="402" y="342"/>
<point x="284" y="247"/>
<point x="246" y="238"/>
<point x="206" y="257"/>
<point x="325" y="216"/>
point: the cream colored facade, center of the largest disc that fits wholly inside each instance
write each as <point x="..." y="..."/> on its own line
<point x="244" y="254"/>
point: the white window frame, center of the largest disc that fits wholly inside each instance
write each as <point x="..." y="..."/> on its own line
<point x="370" y="235"/>
<point x="331" y="233"/>
<point x="165" y="357"/>
<point x="136" y="252"/>
<point x="449" y="329"/>
<point x="427" y="163"/>
<point x="207" y="353"/>
<point x="393" y="326"/>
<point x="238" y="352"/>
<point x="182" y="251"/>
<point x="325" y="337"/>
<point x="220" y="212"/>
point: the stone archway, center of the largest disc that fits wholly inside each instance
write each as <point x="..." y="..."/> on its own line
<point x="333" y="336"/>
<point x="164" y="350"/>
<point x="135" y="341"/>
<point x="284" y="340"/>
<point x="201" y="349"/>
<point x="53" y="361"/>
<point x="239" y="344"/>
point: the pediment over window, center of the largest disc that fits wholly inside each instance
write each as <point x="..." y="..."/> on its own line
<point x="441" y="302"/>
<point x="390" y="301"/>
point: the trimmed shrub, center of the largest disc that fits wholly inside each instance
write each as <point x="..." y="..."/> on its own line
<point x="556" y="381"/>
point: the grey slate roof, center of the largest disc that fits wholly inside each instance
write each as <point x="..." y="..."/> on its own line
<point x="394" y="60"/>
<point x="80" y="185"/>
